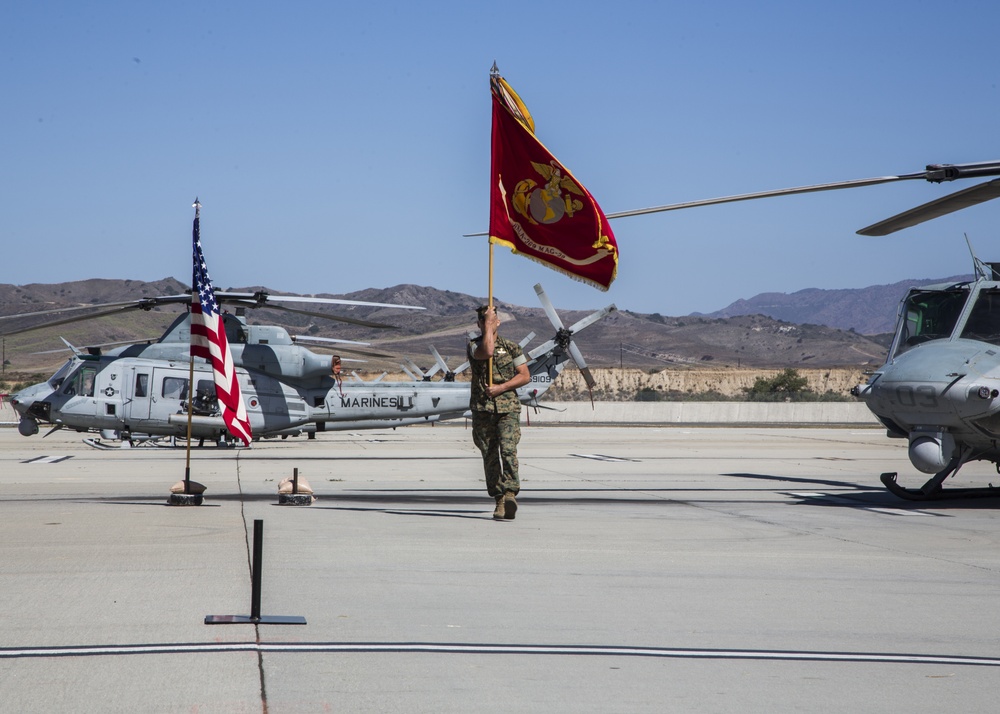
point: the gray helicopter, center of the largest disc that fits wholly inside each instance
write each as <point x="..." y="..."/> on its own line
<point x="140" y="392"/>
<point x="940" y="385"/>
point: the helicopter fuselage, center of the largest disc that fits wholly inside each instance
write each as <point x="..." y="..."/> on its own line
<point x="940" y="386"/>
<point x="287" y="389"/>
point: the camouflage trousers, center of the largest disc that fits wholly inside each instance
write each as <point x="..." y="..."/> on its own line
<point x="496" y="436"/>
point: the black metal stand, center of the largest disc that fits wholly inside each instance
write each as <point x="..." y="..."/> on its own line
<point x="255" y="618"/>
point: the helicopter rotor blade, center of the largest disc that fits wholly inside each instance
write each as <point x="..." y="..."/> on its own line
<point x="577" y="356"/>
<point x="332" y="343"/>
<point x="565" y="336"/>
<point x="441" y="364"/>
<point x="326" y="316"/>
<point x="146" y="304"/>
<point x="140" y="304"/>
<point x="68" y="320"/>
<point x="592" y="318"/>
<point x="421" y="375"/>
<point x="311" y="338"/>
<point x="935" y="173"/>
<point x="410" y="374"/>
<point x="354" y="351"/>
<point x="56" y="311"/>
<point x="956" y="201"/>
<point x="262" y="298"/>
<point x="765" y="194"/>
<point x="550" y="311"/>
<point x="84" y="348"/>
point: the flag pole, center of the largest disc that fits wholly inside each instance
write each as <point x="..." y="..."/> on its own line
<point x="489" y="364"/>
<point x="187" y="465"/>
<point x="187" y="495"/>
<point x="494" y="72"/>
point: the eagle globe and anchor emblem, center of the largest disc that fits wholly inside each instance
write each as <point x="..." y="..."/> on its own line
<point x="550" y="202"/>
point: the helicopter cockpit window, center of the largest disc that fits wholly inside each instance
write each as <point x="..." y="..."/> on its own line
<point x="81" y="384"/>
<point x="175" y="388"/>
<point x="984" y="320"/>
<point x="929" y="315"/>
<point x="56" y="380"/>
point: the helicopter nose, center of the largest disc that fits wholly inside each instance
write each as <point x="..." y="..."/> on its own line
<point x="30" y="404"/>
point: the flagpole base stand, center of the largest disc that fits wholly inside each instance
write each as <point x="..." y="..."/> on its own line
<point x="255" y="618"/>
<point x="248" y="620"/>
<point x="185" y="499"/>
<point x="295" y="499"/>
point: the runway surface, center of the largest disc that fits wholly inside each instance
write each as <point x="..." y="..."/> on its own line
<point x="648" y="570"/>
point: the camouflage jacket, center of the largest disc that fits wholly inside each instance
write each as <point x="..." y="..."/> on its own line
<point x="507" y="356"/>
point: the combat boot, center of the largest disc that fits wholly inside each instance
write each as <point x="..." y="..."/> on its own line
<point x="510" y="506"/>
<point x="500" y="512"/>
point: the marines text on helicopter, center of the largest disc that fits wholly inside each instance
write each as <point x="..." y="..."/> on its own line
<point x="140" y="391"/>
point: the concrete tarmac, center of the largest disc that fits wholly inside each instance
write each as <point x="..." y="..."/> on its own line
<point x="648" y="570"/>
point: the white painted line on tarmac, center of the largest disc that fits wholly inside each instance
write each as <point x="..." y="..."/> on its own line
<point x="46" y="460"/>
<point x="602" y="457"/>
<point x="497" y="649"/>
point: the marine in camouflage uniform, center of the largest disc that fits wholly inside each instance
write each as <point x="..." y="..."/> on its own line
<point x="496" y="411"/>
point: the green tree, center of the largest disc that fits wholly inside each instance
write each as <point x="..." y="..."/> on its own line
<point x="648" y="394"/>
<point x="787" y="385"/>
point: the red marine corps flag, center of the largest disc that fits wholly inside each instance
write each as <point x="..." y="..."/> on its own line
<point x="537" y="207"/>
<point x="208" y="340"/>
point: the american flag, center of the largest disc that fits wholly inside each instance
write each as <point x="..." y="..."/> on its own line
<point x="208" y="340"/>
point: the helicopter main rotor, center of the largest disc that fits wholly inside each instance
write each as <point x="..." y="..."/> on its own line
<point x="259" y="299"/>
<point x="934" y="173"/>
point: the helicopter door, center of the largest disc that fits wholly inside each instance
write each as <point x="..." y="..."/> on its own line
<point x="168" y="389"/>
<point x="78" y="392"/>
<point x="137" y="397"/>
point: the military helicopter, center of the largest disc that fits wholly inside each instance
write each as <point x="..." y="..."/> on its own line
<point x="140" y="391"/>
<point x="940" y="385"/>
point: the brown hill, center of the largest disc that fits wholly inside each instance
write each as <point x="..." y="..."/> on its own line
<point x="622" y="340"/>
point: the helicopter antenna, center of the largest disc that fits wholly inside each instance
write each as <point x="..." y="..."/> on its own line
<point x="980" y="269"/>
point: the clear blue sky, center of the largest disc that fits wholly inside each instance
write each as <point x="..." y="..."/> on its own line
<point x="341" y="146"/>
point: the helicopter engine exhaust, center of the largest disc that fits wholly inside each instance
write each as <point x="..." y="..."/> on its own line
<point x="931" y="450"/>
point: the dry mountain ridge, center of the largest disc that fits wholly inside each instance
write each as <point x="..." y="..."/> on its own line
<point x="870" y="310"/>
<point x="624" y="339"/>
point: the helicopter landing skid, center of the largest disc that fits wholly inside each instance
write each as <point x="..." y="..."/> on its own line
<point x="936" y="493"/>
<point x="160" y="442"/>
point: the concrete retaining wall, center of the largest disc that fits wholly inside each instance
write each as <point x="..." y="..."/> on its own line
<point x="791" y="413"/>
<point x="812" y="413"/>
